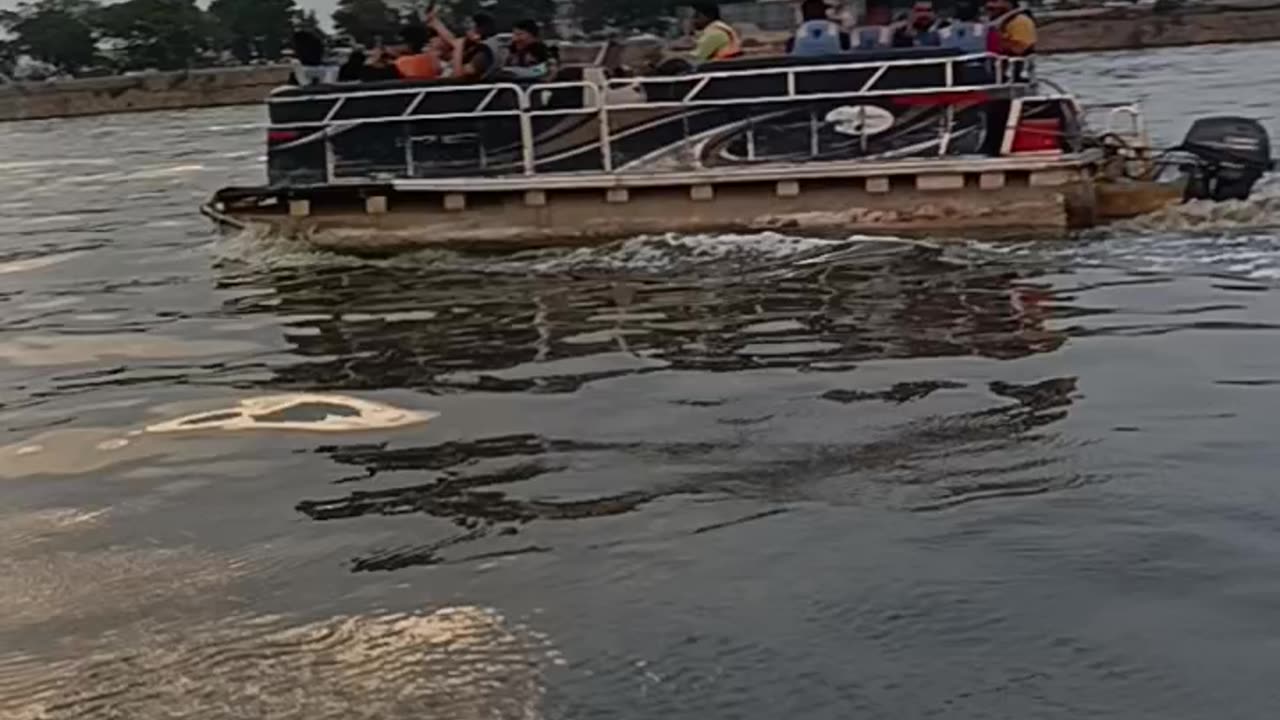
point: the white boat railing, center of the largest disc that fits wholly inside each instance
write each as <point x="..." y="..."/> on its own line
<point x="508" y="100"/>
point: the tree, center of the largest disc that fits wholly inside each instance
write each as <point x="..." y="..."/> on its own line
<point x="507" y="12"/>
<point x="655" y="16"/>
<point x="159" y="34"/>
<point x="366" y="20"/>
<point x="254" y="28"/>
<point x="308" y="22"/>
<point x="58" y="32"/>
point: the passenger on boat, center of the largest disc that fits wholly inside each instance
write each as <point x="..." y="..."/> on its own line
<point x="921" y="29"/>
<point x="875" y="37"/>
<point x="529" y="57"/>
<point x="418" y="61"/>
<point x="966" y="32"/>
<point x="352" y="69"/>
<point x="479" y="54"/>
<point x="818" y="34"/>
<point x="310" y="67"/>
<point x="717" y="40"/>
<point x="1011" y="29"/>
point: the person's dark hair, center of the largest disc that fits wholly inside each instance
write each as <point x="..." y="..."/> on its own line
<point x="813" y="10"/>
<point x="308" y="48"/>
<point x="415" y="37"/>
<point x="485" y="24"/>
<point x="353" y="69"/>
<point x="708" y="10"/>
<point x="529" y="26"/>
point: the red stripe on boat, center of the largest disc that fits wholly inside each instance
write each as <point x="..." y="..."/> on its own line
<point x="955" y="98"/>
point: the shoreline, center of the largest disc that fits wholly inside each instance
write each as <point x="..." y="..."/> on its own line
<point x="1079" y="31"/>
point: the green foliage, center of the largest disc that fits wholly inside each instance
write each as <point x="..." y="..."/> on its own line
<point x="366" y="20"/>
<point x="159" y="34"/>
<point x="308" y="22"/>
<point x="505" y="12"/>
<point x="58" y="32"/>
<point x="252" y="29"/>
<point x="655" y="16"/>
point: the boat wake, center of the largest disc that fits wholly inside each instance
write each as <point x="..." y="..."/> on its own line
<point x="1235" y="239"/>
<point x="667" y="255"/>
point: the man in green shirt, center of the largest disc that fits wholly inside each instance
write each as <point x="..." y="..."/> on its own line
<point x="717" y="40"/>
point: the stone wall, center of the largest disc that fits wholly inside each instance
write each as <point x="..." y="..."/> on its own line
<point x="1131" y="29"/>
<point x="153" y="91"/>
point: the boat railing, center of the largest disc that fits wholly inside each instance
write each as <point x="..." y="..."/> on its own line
<point x="1005" y="71"/>
<point x="526" y="103"/>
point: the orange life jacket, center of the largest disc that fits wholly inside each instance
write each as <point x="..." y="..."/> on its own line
<point x="734" y="48"/>
<point x="423" y="66"/>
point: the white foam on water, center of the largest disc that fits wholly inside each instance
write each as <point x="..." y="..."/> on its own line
<point x="673" y="252"/>
<point x="258" y="249"/>
<point x="79" y="451"/>
<point x="268" y="413"/>
<point x="644" y="254"/>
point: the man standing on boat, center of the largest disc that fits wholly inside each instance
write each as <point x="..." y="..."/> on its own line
<point x="1011" y="30"/>
<point x="717" y="40"/>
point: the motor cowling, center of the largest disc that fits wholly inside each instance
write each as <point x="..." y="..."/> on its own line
<point x="1230" y="155"/>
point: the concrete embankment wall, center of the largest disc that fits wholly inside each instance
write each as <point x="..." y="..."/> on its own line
<point x="155" y="91"/>
<point x="1105" y="30"/>
<point x="1134" y="29"/>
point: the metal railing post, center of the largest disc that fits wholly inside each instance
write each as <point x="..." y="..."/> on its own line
<point x="606" y="147"/>
<point x="527" y="154"/>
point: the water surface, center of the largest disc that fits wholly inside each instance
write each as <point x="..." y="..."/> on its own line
<point x="680" y="477"/>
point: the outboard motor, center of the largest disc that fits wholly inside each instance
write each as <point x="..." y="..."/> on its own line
<point x="1231" y="153"/>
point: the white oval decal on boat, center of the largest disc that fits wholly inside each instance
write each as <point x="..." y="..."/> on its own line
<point x="860" y="119"/>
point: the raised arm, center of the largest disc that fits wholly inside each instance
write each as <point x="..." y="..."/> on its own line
<point x="433" y="22"/>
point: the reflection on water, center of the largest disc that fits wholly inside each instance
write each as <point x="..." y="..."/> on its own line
<point x="935" y="463"/>
<point x="463" y="663"/>
<point x="501" y="332"/>
<point x="44" y="584"/>
<point x="460" y="662"/>
<point x="45" y="350"/>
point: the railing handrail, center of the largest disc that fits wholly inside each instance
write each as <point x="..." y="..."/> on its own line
<point x="700" y="78"/>
<point x="525" y="105"/>
<point x="595" y="102"/>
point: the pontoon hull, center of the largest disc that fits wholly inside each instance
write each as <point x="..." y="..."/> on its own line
<point x="979" y="197"/>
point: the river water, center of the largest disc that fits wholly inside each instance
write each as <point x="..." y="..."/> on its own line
<point x="679" y="477"/>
